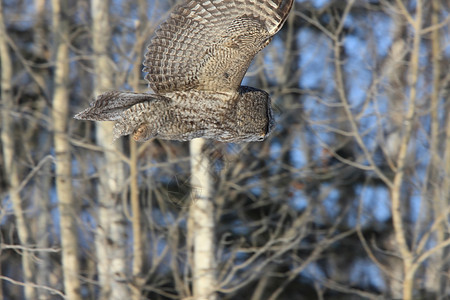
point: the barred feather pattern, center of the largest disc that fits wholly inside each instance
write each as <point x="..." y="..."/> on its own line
<point x="209" y="45"/>
<point x="110" y="106"/>
<point x="221" y="116"/>
<point x="195" y="64"/>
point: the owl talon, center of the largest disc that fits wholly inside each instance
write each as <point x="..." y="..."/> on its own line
<point x="142" y="133"/>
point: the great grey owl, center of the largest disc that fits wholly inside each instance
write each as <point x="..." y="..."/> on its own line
<point x="195" y="64"/>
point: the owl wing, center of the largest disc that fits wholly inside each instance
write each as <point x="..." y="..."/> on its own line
<point x="110" y="106"/>
<point x="209" y="44"/>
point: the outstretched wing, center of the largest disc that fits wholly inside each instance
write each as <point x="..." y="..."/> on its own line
<point x="110" y="106"/>
<point x="209" y="44"/>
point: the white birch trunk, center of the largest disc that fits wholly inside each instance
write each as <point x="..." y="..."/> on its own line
<point x="60" y="114"/>
<point x="201" y="224"/>
<point x="111" y="239"/>
<point x="11" y="168"/>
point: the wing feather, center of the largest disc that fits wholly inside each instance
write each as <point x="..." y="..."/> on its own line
<point x="111" y="105"/>
<point x="209" y="44"/>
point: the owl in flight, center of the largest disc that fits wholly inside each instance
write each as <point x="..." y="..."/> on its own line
<point x="195" y="64"/>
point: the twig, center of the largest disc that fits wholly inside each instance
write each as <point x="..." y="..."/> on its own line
<point x="33" y="285"/>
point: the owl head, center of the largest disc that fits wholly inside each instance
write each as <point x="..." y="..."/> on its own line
<point x="254" y="114"/>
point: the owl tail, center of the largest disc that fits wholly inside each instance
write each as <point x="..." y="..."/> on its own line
<point x="110" y="106"/>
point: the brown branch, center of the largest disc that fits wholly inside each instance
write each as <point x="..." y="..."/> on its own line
<point x="340" y="86"/>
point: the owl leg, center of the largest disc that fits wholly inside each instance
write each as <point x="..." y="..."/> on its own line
<point x="143" y="132"/>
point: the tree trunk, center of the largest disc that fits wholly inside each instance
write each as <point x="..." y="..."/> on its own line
<point x="11" y="166"/>
<point x="397" y="208"/>
<point x="138" y="254"/>
<point x="111" y="239"/>
<point x="201" y="224"/>
<point x="60" y="112"/>
<point x="44" y="183"/>
<point x="436" y="281"/>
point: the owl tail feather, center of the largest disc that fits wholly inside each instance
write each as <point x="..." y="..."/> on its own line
<point x="110" y="106"/>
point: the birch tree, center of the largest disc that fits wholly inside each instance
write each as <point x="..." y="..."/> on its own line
<point x="201" y="235"/>
<point x="63" y="157"/>
<point x="11" y="163"/>
<point x="45" y="184"/>
<point x="436" y="281"/>
<point x="138" y="255"/>
<point x="111" y="239"/>
<point x="401" y="163"/>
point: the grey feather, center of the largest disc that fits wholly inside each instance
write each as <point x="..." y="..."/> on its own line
<point x="110" y="106"/>
<point x="195" y="64"/>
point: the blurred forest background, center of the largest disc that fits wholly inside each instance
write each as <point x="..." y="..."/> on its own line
<point x="347" y="199"/>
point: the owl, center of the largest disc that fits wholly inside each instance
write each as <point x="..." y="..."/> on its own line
<point x="195" y="64"/>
